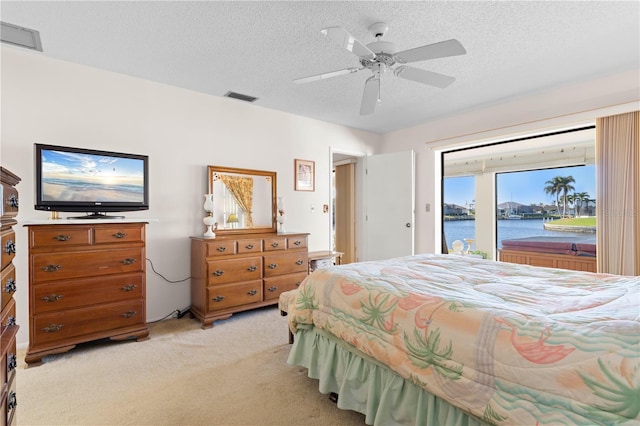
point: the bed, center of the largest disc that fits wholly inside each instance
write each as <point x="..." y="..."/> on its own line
<point x="454" y="340"/>
<point x="576" y="253"/>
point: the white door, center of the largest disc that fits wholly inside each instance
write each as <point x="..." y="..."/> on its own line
<point x="389" y="205"/>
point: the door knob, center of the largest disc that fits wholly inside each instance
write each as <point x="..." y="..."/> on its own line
<point x="408" y="225"/>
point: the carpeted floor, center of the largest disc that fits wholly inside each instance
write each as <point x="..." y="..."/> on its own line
<point x="233" y="374"/>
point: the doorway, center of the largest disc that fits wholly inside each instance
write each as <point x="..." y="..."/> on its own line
<point x="344" y="206"/>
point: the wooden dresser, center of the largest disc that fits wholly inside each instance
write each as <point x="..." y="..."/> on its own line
<point x="234" y="273"/>
<point x="86" y="282"/>
<point x="8" y="326"/>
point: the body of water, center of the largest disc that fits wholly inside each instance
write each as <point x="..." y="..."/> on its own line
<point x="507" y="230"/>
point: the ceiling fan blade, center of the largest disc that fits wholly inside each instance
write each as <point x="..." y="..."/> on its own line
<point x="424" y="77"/>
<point x="431" y="51"/>
<point x="325" y="75"/>
<point x="349" y="42"/>
<point x="370" y="96"/>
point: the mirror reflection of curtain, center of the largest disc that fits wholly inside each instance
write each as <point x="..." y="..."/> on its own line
<point x="242" y="190"/>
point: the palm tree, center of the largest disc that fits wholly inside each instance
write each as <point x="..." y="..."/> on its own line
<point x="578" y="199"/>
<point x="560" y="186"/>
<point x="571" y="198"/>
<point x="552" y="188"/>
<point x="565" y="187"/>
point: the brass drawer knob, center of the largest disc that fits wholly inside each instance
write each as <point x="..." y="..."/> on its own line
<point x="129" y="287"/>
<point x="128" y="261"/>
<point x="297" y="243"/>
<point x="273" y="265"/>
<point x="218" y="298"/>
<point x="218" y="273"/>
<point x="299" y="262"/>
<point x="10" y="286"/>
<point x="130" y="314"/>
<point x="119" y="235"/>
<point x="62" y="237"/>
<point x="274" y="244"/>
<point x="51" y="268"/>
<point x="53" y="297"/>
<point x="53" y="328"/>
<point x="251" y="268"/>
<point x="272" y="288"/>
<point x="221" y="249"/>
<point x="249" y="246"/>
<point x="252" y="292"/>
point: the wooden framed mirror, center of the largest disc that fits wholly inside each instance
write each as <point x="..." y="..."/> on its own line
<point x="244" y="200"/>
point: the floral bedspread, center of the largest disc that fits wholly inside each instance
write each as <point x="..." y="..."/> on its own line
<point x="510" y="344"/>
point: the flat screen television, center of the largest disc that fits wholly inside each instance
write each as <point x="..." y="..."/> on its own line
<point x="90" y="181"/>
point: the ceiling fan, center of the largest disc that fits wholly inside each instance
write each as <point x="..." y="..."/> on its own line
<point x="380" y="57"/>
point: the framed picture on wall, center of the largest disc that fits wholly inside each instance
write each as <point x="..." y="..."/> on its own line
<point x="305" y="175"/>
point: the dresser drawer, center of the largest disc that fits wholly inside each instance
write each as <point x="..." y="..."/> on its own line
<point x="297" y="242"/>
<point x="221" y="248"/>
<point x="250" y="246"/>
<point x="8" y="238"/>
<point x="118" y="234"/>
<point x="8" y="317"/>
<point x="9" y="362"/>
<point x="285" y="263"/>
<point x="59" y="236"/>
<point x="228" y="296"/>
<point x="75" y="323"/>
<point x="70" y="294"/>
<point x="275" y="243"/>
<point x="275" y="285"/>
<point x="58" y="266"/>
<point x="234" y="270"/>
<point x="9" y="201"/>
<point x="7" y="284"/>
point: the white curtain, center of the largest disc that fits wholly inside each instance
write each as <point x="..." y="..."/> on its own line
<point x="618" y="193"/>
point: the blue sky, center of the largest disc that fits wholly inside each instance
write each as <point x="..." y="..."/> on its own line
<point x="104" y="169"/>
<point x="522" y="187"/>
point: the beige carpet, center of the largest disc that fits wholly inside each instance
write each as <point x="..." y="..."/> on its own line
<point x="233" y="374"/>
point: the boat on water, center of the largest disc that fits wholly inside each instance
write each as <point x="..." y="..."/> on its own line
<point x="513" y="217"/>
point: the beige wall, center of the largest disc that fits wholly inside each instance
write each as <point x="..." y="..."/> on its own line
<point x="55" y="102"/>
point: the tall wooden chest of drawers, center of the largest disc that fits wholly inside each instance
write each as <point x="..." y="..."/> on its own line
<point x="8" y="325"/>
<point x="86" y="282"/>
<point x="234" y="273"/>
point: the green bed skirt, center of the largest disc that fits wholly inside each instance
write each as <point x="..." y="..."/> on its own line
<point x="368" y="387"/>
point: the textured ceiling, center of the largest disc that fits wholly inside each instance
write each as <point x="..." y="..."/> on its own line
<point x="258" y="48"/>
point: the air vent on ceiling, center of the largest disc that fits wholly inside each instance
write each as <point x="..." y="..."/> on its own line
<point x="19" y="36"/>
<point x="240" y="96"/>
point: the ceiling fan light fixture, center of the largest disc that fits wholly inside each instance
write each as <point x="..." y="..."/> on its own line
<point x="380" y="57"/>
